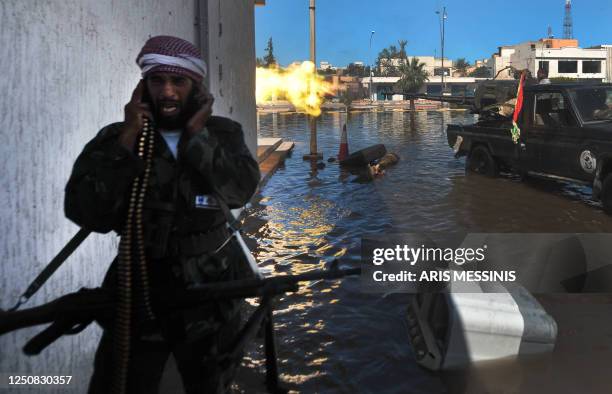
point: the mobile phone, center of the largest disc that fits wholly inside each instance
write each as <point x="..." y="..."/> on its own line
<point x="196" y="101"/>
<point x="146" y="97"/>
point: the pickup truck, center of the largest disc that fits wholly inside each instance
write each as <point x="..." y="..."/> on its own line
<point x="566" y="134"/>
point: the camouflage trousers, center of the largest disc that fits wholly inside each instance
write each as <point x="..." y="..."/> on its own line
<point x="197" y="361"/>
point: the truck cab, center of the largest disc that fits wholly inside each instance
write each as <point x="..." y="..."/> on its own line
<point x="566" y="134"/>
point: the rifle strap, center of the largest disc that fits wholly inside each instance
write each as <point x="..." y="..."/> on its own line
<point x="231" y="220"/>
<point x="53" y="265"/>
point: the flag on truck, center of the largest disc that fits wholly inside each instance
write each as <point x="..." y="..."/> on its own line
<point x="516" y="131"/>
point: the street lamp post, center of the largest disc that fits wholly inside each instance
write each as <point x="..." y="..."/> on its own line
<point x="443" y="16"/>
<point x="371" y="65"/>
<point x="314" y="155"/>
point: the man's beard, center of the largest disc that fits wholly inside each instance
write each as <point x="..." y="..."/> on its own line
<point x="178" y="121"/>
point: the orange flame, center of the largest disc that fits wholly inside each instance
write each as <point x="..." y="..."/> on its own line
<point x="298" y="83"/>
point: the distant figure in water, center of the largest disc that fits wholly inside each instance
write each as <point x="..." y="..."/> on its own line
<point x="388" y="160"/>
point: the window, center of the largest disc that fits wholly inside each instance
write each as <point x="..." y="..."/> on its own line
<point x="434" y="89"/>
<point x="568" y="66"/>
<point x="544" y="66"/>
<point x="459" y="90"/>
<point x="438" y="71"/>
<point x="551" y="111"/>
<point x="591" y="67"/>
<point x="594" y="103"/>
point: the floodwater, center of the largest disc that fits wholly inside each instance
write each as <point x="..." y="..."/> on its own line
<point x="333" y="338"/>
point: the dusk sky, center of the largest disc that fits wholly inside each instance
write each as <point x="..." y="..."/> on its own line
<point x="474" y="29"/>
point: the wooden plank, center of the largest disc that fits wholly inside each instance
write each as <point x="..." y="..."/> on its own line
<point x="285" y="146"/>
<point x="265" y="146"/>
<point x="274" y="160"/>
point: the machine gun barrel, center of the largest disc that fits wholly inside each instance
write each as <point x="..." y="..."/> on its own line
<point x="468" y="100"/>
<point x="247" y="288"/>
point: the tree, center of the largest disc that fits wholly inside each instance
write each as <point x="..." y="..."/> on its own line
<point x="347" y="97"/>
<point x="393" y="52"/>
<point x="328" y="71"/>
<point x="462" y="65"/>
<point x="269" y="59"/>
<point x="259" y="62"/>
<point x="481" y="72"/>
<point x="385" y="62"/>
<point x="413" y="77"/>
<point x="402" y="52"/>
<point x="356" y="70"/>
<point x="389" y="59"/>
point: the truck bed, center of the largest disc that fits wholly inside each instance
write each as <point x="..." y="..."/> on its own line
<point x="495" y="135"/>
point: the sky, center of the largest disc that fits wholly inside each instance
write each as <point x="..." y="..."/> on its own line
<point x="474" y="28"/>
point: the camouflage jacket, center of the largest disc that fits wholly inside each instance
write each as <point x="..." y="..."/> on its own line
<point x="179" y="231"/>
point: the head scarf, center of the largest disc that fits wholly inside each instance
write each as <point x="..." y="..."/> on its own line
<point x="171" y="54"/>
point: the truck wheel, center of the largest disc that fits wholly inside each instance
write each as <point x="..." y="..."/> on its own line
<point x="481" y="162"/>
<point x="606" y="194"/>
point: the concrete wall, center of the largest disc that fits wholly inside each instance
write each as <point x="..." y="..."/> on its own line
<point x="230" y="47"/>
<point x="431" y="63"/>
<point x="608" y="64"/>
<point x="68" y="68"/>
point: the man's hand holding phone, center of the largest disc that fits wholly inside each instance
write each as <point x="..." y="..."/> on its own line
<point x="135" y="111"/>
<point x="197" y="122"/>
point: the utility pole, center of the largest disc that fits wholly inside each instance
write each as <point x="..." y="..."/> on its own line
<point x="314" y="155"/>
<point x="443" y="17"/>
<point x="371" y="64"/>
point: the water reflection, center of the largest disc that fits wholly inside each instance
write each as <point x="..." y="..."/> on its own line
<point x="332" y="337"/>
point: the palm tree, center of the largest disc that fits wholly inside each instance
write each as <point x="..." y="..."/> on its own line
<point x="413" y="77"/>
<point x="393" y="50"/>
<point x="402" y="50"/>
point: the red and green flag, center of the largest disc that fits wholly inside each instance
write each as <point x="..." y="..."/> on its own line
<point x="516" y="131"/>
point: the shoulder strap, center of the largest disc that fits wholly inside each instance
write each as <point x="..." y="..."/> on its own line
<point x="57" y="261"/>
<point x="231" y="220"/>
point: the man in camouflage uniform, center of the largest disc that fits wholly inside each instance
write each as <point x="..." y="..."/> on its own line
<point x="198" y="160"/>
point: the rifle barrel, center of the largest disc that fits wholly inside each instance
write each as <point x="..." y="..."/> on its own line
<point x="246" y="288"/>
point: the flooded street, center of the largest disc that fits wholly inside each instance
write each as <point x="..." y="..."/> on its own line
<point x="332" y="337"/>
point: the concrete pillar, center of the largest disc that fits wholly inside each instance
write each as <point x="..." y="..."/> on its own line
<point x="228" y="44"/>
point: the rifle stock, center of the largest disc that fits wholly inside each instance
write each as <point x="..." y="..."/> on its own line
<point x="80" y="305"/>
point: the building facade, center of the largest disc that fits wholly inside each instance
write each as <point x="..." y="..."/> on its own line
<point x="383" y="88"/>
<point x="433" y="65"/>
<point x="608" y="49"/>
<point x="500" y="63"/>
<point x="323" y="65"/>
<point x="561" y="58"/>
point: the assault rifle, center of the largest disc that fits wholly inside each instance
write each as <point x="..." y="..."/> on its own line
<point x="73" y="312"/>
